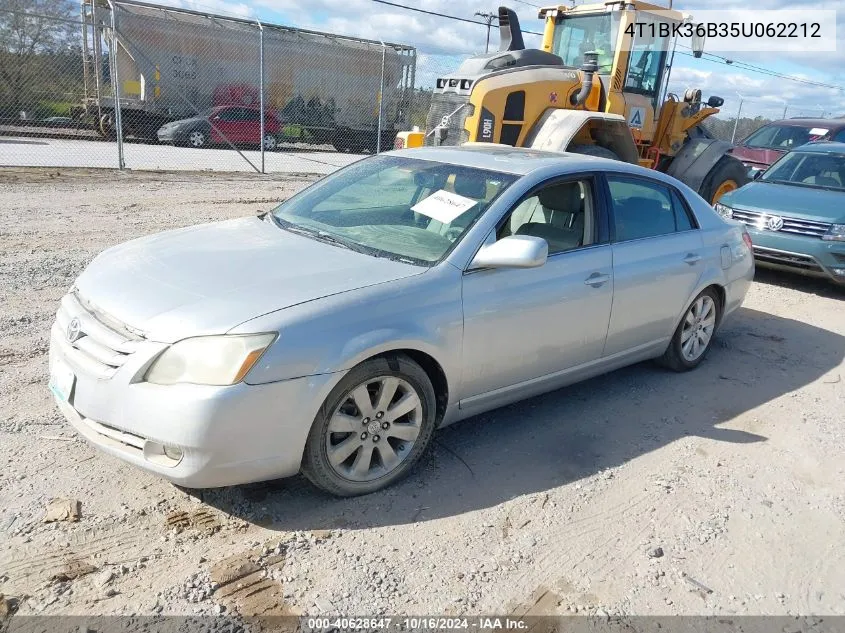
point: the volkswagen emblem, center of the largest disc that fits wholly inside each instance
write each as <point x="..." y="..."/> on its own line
<point x="774" y="223"/>
<point x="74" y="330"/>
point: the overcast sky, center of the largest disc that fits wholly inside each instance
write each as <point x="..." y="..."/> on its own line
<point x="442" y="43"/>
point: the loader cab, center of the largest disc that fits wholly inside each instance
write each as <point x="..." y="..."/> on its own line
<point x="633" y="55"/>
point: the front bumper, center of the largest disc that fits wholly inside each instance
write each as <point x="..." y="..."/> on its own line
<point x="227" y="435"/>
<point x="805" y="255"/>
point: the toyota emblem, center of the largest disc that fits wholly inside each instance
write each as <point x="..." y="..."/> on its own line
<point x="774" y="223"/>
<point x="74" y="330"/>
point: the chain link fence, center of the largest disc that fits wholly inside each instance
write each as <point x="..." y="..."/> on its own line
<point x="123" y="83"/>
<point x="154" y="81"/>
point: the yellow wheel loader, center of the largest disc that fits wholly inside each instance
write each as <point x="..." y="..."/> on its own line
<point x="597" y="87"/>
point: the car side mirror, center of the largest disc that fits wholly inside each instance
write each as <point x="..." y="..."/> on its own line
<point x="757" y="173"/>
<point x="515" y="251"/>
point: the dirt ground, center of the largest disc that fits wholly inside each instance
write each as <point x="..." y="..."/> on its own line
<point x="720" y="491"/>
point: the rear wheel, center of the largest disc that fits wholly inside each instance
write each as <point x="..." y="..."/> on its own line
<point x="372" y="428"/>
<point x="694" y="335"/>
<point x="593" y="150"/>
<point x="727" y="175"/>
<point x="107" y="127"/>
<point x="197" y="138"/>
<point x="270" y="142"/>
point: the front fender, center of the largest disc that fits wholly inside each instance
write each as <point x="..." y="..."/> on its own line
<point x="695" y="160"/>
<point x="333" y="334"/>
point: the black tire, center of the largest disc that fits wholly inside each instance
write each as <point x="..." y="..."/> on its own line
<point x="727" y="169"/>
<point x="673" y="357"/>
<point x="342" y="139"/>
<point x="315" y="463"/>
<point x="593" y="150"/>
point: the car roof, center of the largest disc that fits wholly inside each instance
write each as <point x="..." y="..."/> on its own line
<point x="801" y="122"/>
<point x="822" y="147"/>
<point x="513" y="160"/>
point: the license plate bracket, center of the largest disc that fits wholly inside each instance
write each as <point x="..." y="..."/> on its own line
<point x="62" y="381"/>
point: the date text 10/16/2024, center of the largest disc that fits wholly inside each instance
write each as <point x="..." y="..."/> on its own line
<point x="418" y="623"/>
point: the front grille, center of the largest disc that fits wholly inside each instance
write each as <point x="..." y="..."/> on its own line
<point x="794" y="260"/>
<point x="96" y="341"/>
<point x="790" y="225"/>
<point x="457" y="108"/>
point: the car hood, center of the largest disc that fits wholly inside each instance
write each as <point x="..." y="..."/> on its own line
<point x="757" y="156"/>
<point x="209" y="278"/>
<point x="822" y="205"/>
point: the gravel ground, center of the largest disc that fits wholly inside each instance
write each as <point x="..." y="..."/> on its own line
<point x="720" y="491"/>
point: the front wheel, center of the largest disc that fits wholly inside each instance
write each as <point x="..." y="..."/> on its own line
<point x="372" y="428"/>
<point x="727" y="174"/>
<point x="593" y="150"/>
<point x="694" y="334"/>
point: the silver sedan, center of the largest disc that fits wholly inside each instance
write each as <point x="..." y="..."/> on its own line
<point x="335" y="333"/>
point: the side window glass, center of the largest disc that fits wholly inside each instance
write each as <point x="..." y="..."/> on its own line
<point x="228" y="115"/>
<point x="840" y="136"/>
<point x="640" y="209"/>
<point x="560" y="213"/>
<point x="683" y="221"/>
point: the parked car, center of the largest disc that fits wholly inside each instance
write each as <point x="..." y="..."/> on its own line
<point x="763" y="147"/>
<point x="239" y="125"/>
<point x="397" y="295"/>
<point x="795" y="211"/>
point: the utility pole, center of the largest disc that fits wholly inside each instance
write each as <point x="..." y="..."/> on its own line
<point x="488" y="18"/>
<point x="738" y="114"/>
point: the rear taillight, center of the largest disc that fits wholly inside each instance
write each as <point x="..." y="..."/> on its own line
<point x="747" y="239"/>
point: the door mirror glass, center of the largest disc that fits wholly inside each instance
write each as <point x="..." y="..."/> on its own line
<point x="515" y="251"/>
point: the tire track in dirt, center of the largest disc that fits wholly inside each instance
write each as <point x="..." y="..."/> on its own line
<point x="27" y="567"/>
<point x="558" y="556"/>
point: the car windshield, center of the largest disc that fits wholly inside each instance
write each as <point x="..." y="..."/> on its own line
<point x="582" y="33"/>
<point x="390" y="206"/>
<point x="784" y="137"/>
<point x="809" y="169"/>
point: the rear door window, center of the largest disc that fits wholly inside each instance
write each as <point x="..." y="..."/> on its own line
<point x="643" y="209"/>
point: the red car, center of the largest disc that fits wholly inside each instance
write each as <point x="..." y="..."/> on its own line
<point x="235" y="124"/>
<point x="770" y="142"/>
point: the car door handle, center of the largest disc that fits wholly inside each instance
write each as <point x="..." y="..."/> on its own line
<point x="692" y="258"/>
<point x="597" y="279"/>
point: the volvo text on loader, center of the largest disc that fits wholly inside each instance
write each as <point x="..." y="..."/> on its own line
<point x="597" y="87"/>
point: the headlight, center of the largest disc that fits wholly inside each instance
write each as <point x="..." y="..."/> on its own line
<point x="723" y="210"/>
<point x="209" y="360"/>
<point x="836" y="233"/>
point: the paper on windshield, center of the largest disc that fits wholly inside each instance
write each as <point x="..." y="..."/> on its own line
<point x="443" y="206"/>
<point x="818" y="131"/>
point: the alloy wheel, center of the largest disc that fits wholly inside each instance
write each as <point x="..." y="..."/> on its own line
<point x="269" y="142"/>
<point x="372" y="430"/>
<point x="699" y="324"/>
<point x="196" y="138"/>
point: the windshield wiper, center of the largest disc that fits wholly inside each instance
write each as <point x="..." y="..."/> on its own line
<point x="320" y="236"/>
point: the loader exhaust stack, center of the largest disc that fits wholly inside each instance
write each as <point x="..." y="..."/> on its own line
<point x="589" y="68"/>
<point x="509" y="31"/>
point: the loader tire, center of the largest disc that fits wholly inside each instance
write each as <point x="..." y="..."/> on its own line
<point x="593" y="150"/>
<point x="727" y="174"/>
